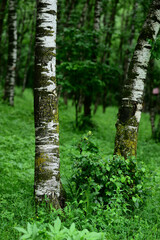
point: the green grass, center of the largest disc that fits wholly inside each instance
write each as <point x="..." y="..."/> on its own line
<point x="17" y="172"/>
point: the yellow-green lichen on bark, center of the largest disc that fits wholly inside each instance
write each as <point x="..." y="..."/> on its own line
<point x="126" y="140"/>
<point x="40" y="160"/>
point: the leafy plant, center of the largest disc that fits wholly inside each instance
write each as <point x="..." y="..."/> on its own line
<point x="30" y="233"/>
<point x="57" y="232"/>
<point x="99" y="179"/>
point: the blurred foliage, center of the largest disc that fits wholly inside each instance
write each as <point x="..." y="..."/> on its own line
<point x="97" y="68"/>
<point x="90" y="62"/>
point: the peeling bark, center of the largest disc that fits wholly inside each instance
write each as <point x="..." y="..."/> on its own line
<point x="47" y="162"/>
<point x="132" y="97"/>
<point x="12" y="53"/>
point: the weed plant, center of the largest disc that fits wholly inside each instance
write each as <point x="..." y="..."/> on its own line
<point x="17" y="177"/>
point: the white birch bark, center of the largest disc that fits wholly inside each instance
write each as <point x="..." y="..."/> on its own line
<point x="12" y="53"/>
<point x="132" y="96"/>
<point x="47" y="176"/>
<point x="97" y="14"/>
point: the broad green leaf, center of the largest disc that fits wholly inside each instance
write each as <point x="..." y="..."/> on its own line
<point x="29" y="228"/>
<point x="57" y="225"/>
<point x="72" y="227"/>
<point x="51" y="228"/>
<point x="26" y="236"/>
<point x="20" y="229"/>
<point x="34" y="231"/>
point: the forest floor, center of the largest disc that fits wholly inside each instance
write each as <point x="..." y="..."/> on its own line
<point x="17" y="146"/>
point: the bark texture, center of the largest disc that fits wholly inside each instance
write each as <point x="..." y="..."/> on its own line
<point x="47" y="172"/>
<point x="12" y="53"/>
<point x="132" y="97"/>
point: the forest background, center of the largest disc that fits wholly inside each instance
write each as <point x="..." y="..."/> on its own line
<point x="91" y="68"/>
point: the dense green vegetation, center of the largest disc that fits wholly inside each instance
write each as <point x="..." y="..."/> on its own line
<point x="17" y="176"/>
<point x="105" y="196"/>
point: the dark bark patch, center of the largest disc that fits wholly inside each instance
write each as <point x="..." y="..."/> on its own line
<point x="126" y="113"/>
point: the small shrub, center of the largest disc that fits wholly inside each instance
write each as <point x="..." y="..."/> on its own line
<point x="101" y="180"/>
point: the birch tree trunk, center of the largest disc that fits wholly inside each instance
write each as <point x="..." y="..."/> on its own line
<point x="47" y="172"/>
<point x="12" y="53"/>
<point x="132" y="97"/>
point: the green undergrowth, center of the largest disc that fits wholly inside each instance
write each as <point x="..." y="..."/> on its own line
<point x="115" y="220"/>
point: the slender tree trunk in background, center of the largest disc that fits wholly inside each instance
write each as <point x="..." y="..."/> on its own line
<point x="29" y="54"/>
<point x="59" y="90"/>
<point x="20" y="38"/>
<point x="124" y="54"/>
<point x="2" y="13"/>
<point x="65" y="98"/>
<point x="152" y="119"/>
<point x="122" y="35"/>
<point x="87" y="106"/>
<point x="70" y="5"/>
<point x="104" y="100"/>
<point x="97" y="15"/>
<point x="80" y="102"/>
<point x="98" y="97"/>
<point x="76" y="108"/>
<point x="90" y="5"/>
<point x="96" y="104"/>
<point x="12" y="53"/>
<point x="27" y="63"/>
<point x="130" y="40"/>
<point x="83" y="15"/>
<point x="88" y="97"/>
<point x="151" y="98"/>
<point x="108" y="41"/>
<point x="109" y="32"/>
<point x="47" y="162"/>
<point x="132" y="97"/>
